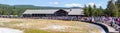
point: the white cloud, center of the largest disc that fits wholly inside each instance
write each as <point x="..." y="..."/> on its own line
<point x="99" y="5"/>
<point x="91" y="4"/>
<point x="73" y="5"/>
<point x="54" y="3"/>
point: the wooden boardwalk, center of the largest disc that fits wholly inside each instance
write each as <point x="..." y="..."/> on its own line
<point x="111" y="30"/>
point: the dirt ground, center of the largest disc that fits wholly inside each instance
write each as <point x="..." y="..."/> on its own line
<point x="50" y="25"/>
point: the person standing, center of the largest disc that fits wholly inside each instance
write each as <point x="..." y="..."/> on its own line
<point x="109" y="21"/>
<point x="103" y="19"/>
<point x="119" y="21"/>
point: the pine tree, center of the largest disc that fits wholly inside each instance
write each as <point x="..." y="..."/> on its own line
<point x="115" y="11"/>
<point x="94" y="12"/>
<point x="118" y="6"/>
<point x="90" y="10"/>
<point x="100" y="11"/>
<point x="109" y="8"/>
<point x="86" y="11"/>
<point x="112" y="9"/>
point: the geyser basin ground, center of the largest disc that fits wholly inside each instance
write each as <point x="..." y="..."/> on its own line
<point x="8" y="30"/>
<point x="49" y="26"/>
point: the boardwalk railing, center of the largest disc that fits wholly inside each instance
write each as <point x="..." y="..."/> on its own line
<point x="101" y="25"/>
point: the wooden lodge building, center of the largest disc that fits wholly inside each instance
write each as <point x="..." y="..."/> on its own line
<point x="54" y="12"/>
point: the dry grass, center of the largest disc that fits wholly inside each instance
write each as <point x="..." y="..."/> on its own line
<point x="51" y="26"/>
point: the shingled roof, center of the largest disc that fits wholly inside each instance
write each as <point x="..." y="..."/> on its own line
<point x="52" y="11"/>
<point x="76" y="12"/>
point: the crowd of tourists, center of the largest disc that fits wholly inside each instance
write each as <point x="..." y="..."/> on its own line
<point x="111" y="21"/>
<point x="60" y="17"/>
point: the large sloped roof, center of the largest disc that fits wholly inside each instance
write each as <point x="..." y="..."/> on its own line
<point x="76" y="12"/>
<point x="40" y="11"/>
<point x="52" y="11"/>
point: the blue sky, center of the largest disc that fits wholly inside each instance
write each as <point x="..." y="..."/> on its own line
<point x="56" y="3"/>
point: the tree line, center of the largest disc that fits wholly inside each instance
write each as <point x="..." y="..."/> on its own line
<point x="19" y="9"/>
<point x="113" y="9"/>
<point x="11" y="10"/>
